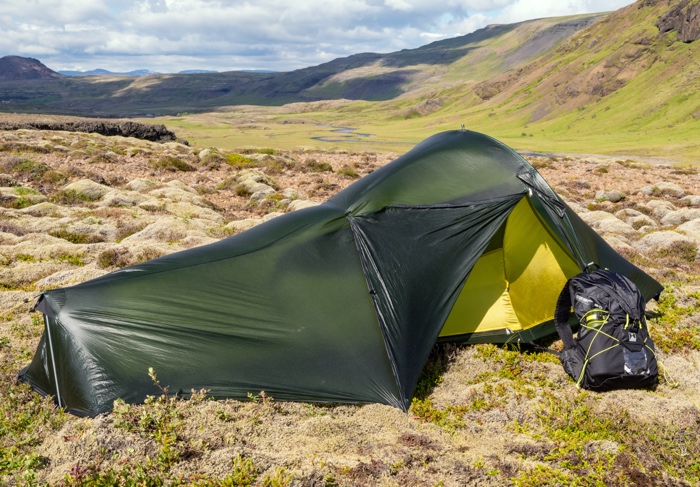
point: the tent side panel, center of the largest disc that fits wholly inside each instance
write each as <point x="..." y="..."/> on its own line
<point x="47" y="373"/>
<point x="292" y="318"/>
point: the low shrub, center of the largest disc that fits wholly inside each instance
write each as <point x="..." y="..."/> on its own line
<point x="240" y="161"/>
<point x="171" y="163"/>
<point x="242" y="190"/>
<point x="126" y="228"/>
<point x="77" y="238"/>
<point x="682" y="252"/>
<point x="115" y="257"/>
<point x="147" y="253"/>
<point x="318" y="166"/>
<point x="67" y="197"/>
<point x="348" y="171"/>
<point x="11" y="227"/>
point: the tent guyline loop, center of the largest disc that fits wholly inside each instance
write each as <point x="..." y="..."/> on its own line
<point x="53" y="360"/>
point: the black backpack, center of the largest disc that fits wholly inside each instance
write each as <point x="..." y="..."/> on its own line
<point x="613" y="349"/>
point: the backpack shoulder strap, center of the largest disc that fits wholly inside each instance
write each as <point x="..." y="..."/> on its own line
<point x="561" y="317"/>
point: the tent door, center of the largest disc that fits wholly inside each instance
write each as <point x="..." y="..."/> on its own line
<point x="515" y="283"/>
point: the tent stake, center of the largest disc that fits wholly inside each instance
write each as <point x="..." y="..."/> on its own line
<point x="53" y="360"/>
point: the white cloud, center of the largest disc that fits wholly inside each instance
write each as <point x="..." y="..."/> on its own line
<point x="171" y="35"/>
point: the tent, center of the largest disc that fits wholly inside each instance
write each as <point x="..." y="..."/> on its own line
<point x="459" y="239"/>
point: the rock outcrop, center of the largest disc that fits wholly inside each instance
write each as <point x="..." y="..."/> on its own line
<point x="684" y="18"/>
<point x="154" y="133"/>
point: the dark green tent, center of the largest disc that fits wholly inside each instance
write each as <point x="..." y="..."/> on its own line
<point x="459" y="239"/>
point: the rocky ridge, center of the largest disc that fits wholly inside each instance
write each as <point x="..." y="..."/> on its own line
<point x="684" y="18"/>
<point x="123" y="128"/>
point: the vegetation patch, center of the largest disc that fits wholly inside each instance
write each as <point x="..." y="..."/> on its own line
<point x="348" y="171"/>
<point x="15" y="203"/>
<point x="25" y="168"/>
<point x="68" y="197"/>
<point x="171" y="163"/>
<point x="675" y="328"/>
<point x="114" y="257"/>
<point x="313" y="165"/>
<point x="126" y="228"/>
<point x="72" y="259"/>
<point x="77" y="238"/>
<point x="679" y="252"/>
<point x="9" y="226"/>
<point x="596" y="446"/>
<point x="148" y="253"/>
<point x="240" y="161"/>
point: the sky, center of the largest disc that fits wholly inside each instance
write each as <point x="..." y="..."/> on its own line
<point x="169" y="36"/>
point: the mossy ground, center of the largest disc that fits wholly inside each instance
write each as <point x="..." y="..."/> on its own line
<point x="481" y="415"/>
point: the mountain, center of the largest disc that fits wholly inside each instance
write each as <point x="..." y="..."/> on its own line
<point x="104" y="72"/>
<point x="196" y="71"/>
<point x="136" y="72"/>
<point x="632" y="73"/>
<point x="16" y="68"/>
<point x="365" y="76"/>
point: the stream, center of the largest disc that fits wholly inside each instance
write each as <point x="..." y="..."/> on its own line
<point x="346" y="134"/>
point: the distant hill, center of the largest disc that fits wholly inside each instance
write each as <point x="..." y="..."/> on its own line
<point x="104" y="72"/>
<point x="365" y="76"/>
<point x="16" y="68"/>
<point x="197" y="71"/>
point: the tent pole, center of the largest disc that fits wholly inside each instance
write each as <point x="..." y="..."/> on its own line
<point x="53" y="360"/>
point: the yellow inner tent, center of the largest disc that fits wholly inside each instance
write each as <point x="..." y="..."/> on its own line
<point x="516" y="282"/>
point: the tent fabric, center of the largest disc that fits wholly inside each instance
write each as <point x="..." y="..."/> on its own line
<point x="460" y="239"/>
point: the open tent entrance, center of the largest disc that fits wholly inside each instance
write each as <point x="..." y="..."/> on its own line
<point x="514" y="283"/>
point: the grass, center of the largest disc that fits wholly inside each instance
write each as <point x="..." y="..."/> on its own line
<point x="115" y="257"/>
<point x="240" y="161"/>
<point x="72" y="259"/>
<point x="595" y="446"/>
<point x="77" y="238"/>
<point x="26" y="418"/>
<point x="318" y="166"/>
<point x="675" y="329"/>
<point x="348" y="171"/>
<point x="171" y="163"/>
<point x="576" y="439"/>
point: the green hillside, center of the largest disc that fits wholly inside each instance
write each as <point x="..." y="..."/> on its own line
<point x="623" y="83"/>
<point x="617" y="85"/>
<point x="364" y="76"/>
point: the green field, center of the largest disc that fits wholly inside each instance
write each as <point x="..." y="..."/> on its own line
<point x="289" y="129"/>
